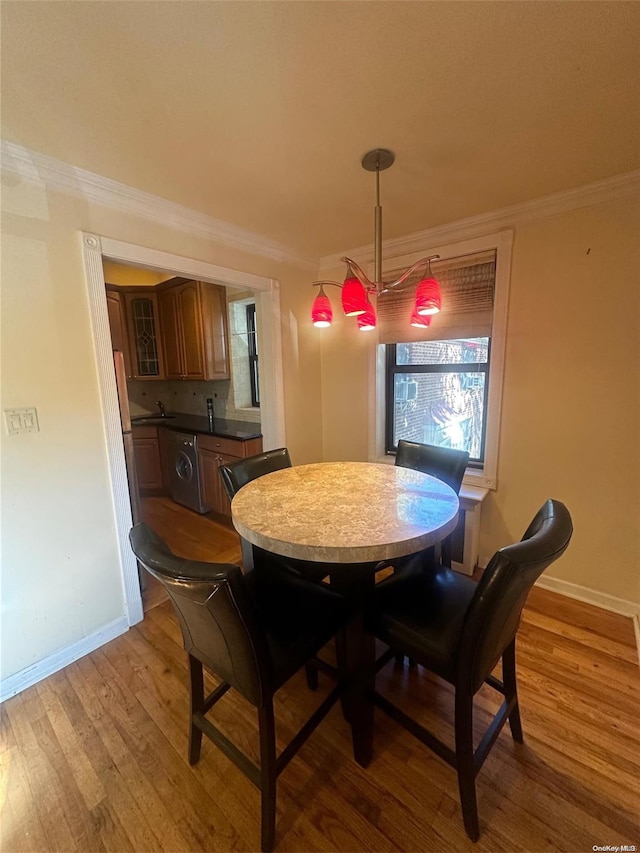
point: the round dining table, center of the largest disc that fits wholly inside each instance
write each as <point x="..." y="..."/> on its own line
<point x="350" y="517"/>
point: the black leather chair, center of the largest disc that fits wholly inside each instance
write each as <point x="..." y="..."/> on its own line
<point x="459" y="630"/>
<point x="238" y="474"/>
<point x="254" y="633"/>
<point x="445" y="463"/>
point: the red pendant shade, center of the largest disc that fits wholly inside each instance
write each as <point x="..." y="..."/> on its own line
<point x="321" y="312"/>
<point x="367" y="321"/>
<point x="354" y="297"/>
<point x="420" y="321"/>
<point x="428" y="298"/>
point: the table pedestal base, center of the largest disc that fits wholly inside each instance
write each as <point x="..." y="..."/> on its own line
<point x="356" y="656"/>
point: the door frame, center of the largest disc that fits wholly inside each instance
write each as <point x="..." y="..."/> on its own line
<point x="95" y="248"/>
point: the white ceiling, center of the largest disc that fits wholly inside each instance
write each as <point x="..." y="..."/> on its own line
<point x="257" y="113"/>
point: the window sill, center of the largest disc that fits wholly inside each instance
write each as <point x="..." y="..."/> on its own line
<point x="474" y="481"/>
<point x="479" y="479"/>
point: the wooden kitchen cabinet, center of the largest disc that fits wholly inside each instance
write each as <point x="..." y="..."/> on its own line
<point x="213" y="489"/>
<point x="213" y="452"/>
<point x="118" y="326"/>
<point x="145" y="344"/>
<point x="193" y="318"/>
<point x="146" y="452"/>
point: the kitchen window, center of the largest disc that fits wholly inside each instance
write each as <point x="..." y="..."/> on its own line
<point x="442" y="385"/>
<point x="252" y="342"/>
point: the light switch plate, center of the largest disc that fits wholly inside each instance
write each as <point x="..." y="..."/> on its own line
<point x="21" y="420"/>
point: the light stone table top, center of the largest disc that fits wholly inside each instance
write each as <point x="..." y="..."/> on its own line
<point x="336" y="512"/>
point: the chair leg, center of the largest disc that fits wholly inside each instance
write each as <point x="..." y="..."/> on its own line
<point x="311" y="671"/>
<point x="464" y="760"/>
<point x="196" y="691"/>
<point x="511" y="689"/>
<point x="267" y="728"/>
<point x="399" y="659"/>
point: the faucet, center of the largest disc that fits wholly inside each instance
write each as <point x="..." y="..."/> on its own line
<point x="160" y="405"/>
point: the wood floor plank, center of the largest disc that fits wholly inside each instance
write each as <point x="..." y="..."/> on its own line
<point x="128" y="793"/>
<point x="45" y="792"/>
<point x="7" y="739"/>
<point x="611" y="647"/>
<point x="21" y="827"/>
<point x="86" y="779"/>
<point x="111" y="832"/>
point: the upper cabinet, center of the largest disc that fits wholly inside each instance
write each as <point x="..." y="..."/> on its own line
<point x="176" y="330"/>
<point x="118" y="326"/>
<point x="193" y="318"/>
<point x="145" y="345"/>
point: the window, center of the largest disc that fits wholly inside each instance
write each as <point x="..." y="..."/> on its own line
<point x="443" y="384"/>
<point x="252" y="341"/>
<point x="437" y="394"/>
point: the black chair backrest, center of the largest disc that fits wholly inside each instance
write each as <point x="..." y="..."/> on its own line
<point x="493" y="615"/>
<point x="215" y="612"/>
<point x="444" y="463"/>
<point x="238" y="474"/>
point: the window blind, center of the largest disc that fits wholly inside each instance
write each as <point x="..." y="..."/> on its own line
<point x="467" y="284"/>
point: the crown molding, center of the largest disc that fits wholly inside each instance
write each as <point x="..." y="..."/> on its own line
<point x="45" y="171"/>
<point x="598" y="192"/>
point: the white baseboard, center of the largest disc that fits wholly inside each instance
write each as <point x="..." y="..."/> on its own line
<point x="590" y="596"/>
<point x="32" y="674"/>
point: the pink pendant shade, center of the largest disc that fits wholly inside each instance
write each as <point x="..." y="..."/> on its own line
<point x="321" y="312"/>
<point x="367" y="321"/>
<point x="354" y="296"/>
<point x="428" y="297"/>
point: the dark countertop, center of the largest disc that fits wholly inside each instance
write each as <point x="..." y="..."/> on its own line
<point x="199" y="424"/>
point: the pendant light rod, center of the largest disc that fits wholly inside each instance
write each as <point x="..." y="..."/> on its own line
<point x="377" y="161"/>
<point x="378" y="234"/>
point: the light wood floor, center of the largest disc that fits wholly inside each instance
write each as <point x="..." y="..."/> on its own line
<point x="94" y="757"/>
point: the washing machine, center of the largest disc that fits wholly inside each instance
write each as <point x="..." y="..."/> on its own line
<point x="185" y="474"/>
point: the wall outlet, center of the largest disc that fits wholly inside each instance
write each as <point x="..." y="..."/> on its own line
<point x="21" y="420"/>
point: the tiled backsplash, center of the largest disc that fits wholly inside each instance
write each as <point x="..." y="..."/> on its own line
<point x="189" y="397"/>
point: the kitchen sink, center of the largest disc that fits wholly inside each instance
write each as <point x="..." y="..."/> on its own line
<point x="151" y="419"/>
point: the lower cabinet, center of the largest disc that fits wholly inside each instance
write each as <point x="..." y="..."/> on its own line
<point x="153" y="452"/>
<point x="146" y="452"/>
<point x="213" y="452"/>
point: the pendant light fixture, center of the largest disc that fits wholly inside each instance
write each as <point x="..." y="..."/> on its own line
<point x="357" y="287"/>
<point x="321" y="313"/>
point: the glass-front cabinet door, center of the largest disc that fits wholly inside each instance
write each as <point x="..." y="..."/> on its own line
<point x="144" y="337"/>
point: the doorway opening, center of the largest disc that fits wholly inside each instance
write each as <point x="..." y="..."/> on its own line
<point x="266" y="291"/>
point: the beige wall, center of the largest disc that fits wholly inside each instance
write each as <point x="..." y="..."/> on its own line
<point x="570" y="419"/>
<point x="61" y="578"/>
